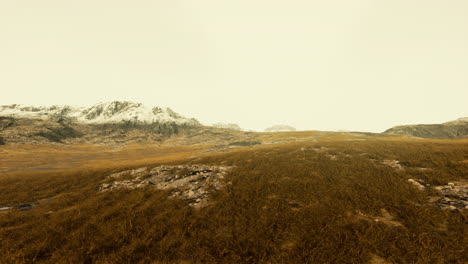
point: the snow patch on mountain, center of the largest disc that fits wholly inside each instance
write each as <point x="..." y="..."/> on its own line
<point x="110" y="112"/>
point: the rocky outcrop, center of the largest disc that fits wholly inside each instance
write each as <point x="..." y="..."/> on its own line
<point x="6" y="122"/>
<point x="453" y="196"/>
<point x="193" y="183"/>
<point x="450" y="130"/>
<point x="58" y="134"/>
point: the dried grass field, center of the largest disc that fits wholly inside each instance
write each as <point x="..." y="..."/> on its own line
<point x="336" y="199"/>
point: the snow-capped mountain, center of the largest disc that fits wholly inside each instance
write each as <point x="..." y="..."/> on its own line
<point x="101" y="113"/>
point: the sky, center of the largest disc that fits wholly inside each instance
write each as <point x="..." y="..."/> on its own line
<point x="361" y="65"/>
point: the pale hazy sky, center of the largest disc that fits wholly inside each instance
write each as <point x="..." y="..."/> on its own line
<point x="323" y="65"/>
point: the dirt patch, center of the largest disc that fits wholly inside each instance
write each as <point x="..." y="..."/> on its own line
<point x="385" y="217"/>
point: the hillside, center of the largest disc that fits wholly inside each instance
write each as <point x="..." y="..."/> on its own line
<point x="450" y="130"/>
<point x="106" y="123"/>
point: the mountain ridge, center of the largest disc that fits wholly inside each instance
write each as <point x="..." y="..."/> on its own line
<point x="100" y="113"/>
<point x="456" y="129"/>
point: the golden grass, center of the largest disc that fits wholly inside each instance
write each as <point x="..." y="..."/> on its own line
<point x="288" y="203"/>
<point x="17" y="158"/>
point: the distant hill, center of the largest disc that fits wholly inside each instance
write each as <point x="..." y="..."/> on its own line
<point x="280" y="128"/>
<point x="230" y="126"/>
<point x="450" y="130"/>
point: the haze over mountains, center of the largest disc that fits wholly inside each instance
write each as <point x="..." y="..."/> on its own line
<point x="125" y="121"/>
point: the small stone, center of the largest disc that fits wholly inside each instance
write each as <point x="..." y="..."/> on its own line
<point x="416" y="184"/>
<point x="451" y="208"/>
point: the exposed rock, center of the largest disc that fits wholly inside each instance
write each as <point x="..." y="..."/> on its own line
<point x="454" y="196"/>
<point x="37" y="131"/>
<point x="375" y="259"/>
<point x="24" y="207"/>
<point x="331" y="156"/>
<point x="416" y="184"/>
<point x="21" y="207"/>
<point x="135" y="173"/>
<point x="393" y="163"/>
<point x="6" y="122"/>
<point x="59" y="134"/>
<point x="245" y="143"/>
<point x="189" y="182"/>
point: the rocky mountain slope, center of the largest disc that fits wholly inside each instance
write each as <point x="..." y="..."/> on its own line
<point x="108" y="123"/>
<point x="101" y="113"/>
<point x="449" y="130"/>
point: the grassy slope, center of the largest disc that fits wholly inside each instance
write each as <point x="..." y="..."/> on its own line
<point x="288" y="203"/>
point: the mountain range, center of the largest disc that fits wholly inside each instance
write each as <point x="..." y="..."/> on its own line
<point x="101" y="113"/>
<point x="124" y="122"/>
